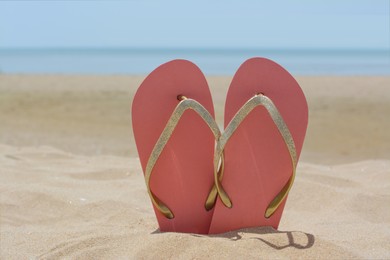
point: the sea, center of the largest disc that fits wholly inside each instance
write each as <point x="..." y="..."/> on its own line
<point x="130" y="61"/>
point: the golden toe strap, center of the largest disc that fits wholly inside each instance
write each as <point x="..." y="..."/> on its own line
<point x="213" y="194"/>
<point x="184" y="105"/>
<point x="257" y="100"/>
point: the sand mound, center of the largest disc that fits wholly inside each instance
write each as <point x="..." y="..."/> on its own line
<point x="56" y="204"/>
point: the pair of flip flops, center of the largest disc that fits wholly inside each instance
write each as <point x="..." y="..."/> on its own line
<point x="205" y="181"/>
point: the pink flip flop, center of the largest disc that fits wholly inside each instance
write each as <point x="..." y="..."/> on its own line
<point x="266" y="117"/>
<point x="175" y="133"/>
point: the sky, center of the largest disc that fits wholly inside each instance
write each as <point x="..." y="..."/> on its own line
<point x="331" y="24"/>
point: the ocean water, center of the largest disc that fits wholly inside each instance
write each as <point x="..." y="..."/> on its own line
<point x="210" y="61"/>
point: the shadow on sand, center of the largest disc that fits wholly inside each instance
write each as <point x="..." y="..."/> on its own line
<point x="260" y="234"/>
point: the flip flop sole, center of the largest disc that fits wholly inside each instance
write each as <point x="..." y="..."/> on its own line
<point x="257" y="162"/>
<point x="183" y="174"/>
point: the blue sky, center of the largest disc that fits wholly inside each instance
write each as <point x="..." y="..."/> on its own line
<point x="332" y="24"/>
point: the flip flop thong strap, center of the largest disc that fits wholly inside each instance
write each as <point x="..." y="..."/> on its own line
<point x="184" y="105"/>
<point x="266" y="102"/>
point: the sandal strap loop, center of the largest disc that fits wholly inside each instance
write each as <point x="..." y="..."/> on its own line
<point x="255" y="101"/>
<point x="184" y="105"/>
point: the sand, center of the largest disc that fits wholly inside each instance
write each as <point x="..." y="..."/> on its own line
<point x="71" y="184"/>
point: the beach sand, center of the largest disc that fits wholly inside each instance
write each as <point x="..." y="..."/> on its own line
<point x="71" y="184"/>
